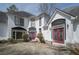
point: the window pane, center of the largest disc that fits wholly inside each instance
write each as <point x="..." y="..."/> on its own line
<point x="61" y="35"/>
<point x="55" y="35"/>
<point x="13" y="34"/>
<point x="21" y="22"/>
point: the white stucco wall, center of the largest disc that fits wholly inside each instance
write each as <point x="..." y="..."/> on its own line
<point x="26" y="23"/>
<point x="3" y="31"/>
<point x="11" y="24"/>
<point x="69" y="31"/>
<point x="72" y="33"/>
<point x="29" y="21"/>
<point x="47" y="35"/>
<point x="76" y="31"/>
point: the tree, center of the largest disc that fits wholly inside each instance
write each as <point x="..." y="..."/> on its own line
<point x="12" y="8"/>
<point x="47" y="8"/>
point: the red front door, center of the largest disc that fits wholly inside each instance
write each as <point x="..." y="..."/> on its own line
<point x="32" y="35"/>
<point x="58" y="35"/>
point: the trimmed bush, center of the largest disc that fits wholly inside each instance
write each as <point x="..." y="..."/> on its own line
<point x="12" y="40"/>
<point x="41" y="38"/>
<point x="3" y="41"/>
<point x="25" y="37"/>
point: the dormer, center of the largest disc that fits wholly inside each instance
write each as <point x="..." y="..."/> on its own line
<point x="43" y="19"/>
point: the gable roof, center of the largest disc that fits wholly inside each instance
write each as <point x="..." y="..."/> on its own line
<point x="43" y="14"/>
<point x="74" y="10"/>
<point x="21" y="13"/>
<point x="59" y="11"/>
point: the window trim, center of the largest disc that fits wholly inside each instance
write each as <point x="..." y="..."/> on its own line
<point x="19" y="21"/>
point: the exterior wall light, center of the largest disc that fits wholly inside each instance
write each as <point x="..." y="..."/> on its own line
<point x="67" y="26"/>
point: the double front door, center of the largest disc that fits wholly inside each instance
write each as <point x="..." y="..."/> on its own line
<point x="58" y="35"/>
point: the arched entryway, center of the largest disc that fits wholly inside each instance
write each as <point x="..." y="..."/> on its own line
<point x="17" y="32"/>
<point x="32" y="32"/>
<point x="58" y="30"/>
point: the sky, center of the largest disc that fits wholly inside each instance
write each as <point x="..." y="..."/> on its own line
<point x="34" y="7"/>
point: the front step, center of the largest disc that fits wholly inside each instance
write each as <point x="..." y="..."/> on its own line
<point x="58" y="46"/>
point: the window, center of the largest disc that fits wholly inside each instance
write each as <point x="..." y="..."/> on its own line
<point x="19" y="21"/>
<point x="13" y="34"/>
<point x="40" y="30"/>
<point x="61" y="35"/>
<point x="40" y="23"/>
<point x="32" y="23"/>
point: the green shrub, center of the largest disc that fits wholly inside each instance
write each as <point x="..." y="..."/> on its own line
<point x="3" y="41"/>
<point x="41" y="38"/>
<point x="25" y="37"/>
<point x="12" y="40"/>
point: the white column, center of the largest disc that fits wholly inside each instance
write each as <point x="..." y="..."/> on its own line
<point x="15" y="35"/>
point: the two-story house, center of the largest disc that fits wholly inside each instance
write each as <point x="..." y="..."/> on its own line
<point x="14" y="24"/>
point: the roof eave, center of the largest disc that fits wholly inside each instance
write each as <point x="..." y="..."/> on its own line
<point x="57" y="10"/>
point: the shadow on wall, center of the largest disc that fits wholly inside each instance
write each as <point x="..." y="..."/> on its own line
<point x="75" y="24"/>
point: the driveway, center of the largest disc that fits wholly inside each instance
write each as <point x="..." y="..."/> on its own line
<point x="28" y="48"/>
